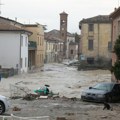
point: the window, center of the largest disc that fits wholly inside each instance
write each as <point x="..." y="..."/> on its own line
<point x="90" y="60"/>
<point x="71" y="51"/>
<point x="38" y="41"/>
<point x="63" y="22"/>
<point x="49" y="45"/>
<point x="63" y="34"/>
<point x="21" y="40"/>
<point x="21" y="62"/>
<point x="40" y="58"/>
<point x="109" y="45"/>
<point x="46" y="45"/>
<point x="26" y="41"/>
<point x="91" y="27"/>
<point x="90" y="44"/>
<point x="25" y="62"/>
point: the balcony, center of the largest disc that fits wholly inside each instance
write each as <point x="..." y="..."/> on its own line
<point x="32" y="45"/>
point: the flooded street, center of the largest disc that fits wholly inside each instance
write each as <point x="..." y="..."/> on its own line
<point x="66" y="81"/>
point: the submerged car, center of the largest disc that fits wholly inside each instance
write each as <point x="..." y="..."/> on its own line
<point x="102" y="92"/>
<point x="4" y="104"/>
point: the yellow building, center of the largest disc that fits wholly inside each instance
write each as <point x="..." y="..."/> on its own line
<point x="95" y="38"/>
<point x="36" y="55"/>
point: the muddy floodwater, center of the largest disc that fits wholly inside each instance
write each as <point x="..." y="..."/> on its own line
<point x="67" y="81"/>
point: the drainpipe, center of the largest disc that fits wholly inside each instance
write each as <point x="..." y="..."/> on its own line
<point x="19" y="68"/>
<point x="98" y="39"/>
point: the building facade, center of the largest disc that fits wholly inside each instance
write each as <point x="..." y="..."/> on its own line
<point x="96" y="38"/>
<point x="54" y="49"/>
<point x="36" y="55"/>
<point x="115" y="16"/>
<point x="73" y="50"/>
<point x="14" y="47"/>
<point x="71" y="47"/>
<point x="55" y="35"/>
<point x="35" y="48"/>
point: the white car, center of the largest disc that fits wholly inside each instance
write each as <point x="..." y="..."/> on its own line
<point x="4" y="104"/>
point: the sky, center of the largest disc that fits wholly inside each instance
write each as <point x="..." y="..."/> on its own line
<point x="47" y="12"/>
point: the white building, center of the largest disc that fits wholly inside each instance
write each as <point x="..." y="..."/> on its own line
<point x="70" y="38"/>
<point x="13" y="47"/>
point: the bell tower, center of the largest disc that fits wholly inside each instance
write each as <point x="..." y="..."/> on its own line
<point x="63" y="31"/>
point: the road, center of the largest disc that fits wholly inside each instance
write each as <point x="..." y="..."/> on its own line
<point x="69" y="83"/>
<point x="66" y="81"/>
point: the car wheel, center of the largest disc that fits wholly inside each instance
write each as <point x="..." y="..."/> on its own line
<point x="2" y="108"/>
<point x="108" y="98"/>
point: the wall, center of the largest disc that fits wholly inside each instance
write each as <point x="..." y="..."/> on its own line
<point x="101" y="36"/>
<point x="9" y="49"/>
<point x="24" y="53"/>
<point x="38" y="37"/>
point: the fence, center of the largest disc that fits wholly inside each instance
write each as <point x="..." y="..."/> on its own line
<point x="18" y="91"/>
<point x="13" y="117"/>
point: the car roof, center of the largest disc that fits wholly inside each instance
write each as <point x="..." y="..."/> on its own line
<point x="113" y="83"/>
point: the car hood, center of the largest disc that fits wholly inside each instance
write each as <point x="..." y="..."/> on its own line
<point x="95" y="91"/>
<point x="1" y="96"/>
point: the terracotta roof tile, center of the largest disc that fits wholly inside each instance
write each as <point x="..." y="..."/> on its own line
<point x="8" y="27"/>
<point x="97" y="19"/>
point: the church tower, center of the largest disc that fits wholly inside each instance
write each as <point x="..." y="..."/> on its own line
<point x="63" y="31"/>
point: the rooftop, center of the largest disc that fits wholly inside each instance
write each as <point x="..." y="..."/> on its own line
<point x="97" y="19"/>
<point x="8" y="27"/>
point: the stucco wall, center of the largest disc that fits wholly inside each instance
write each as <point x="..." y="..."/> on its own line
<point x="24" y="53"/>
<point x="9" y="49"/>
<point x="38" y="37"/>
<point x="101" y="36"/>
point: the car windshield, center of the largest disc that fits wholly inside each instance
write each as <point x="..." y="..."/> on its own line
<point x="103" y="86"/>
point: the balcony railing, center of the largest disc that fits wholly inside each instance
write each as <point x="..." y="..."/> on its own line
<point x="32" y="45"/>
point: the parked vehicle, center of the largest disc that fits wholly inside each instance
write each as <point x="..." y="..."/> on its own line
<point x="102" y="92"/>
<point x="72" y="62"/>
<point x="4" y="104"/>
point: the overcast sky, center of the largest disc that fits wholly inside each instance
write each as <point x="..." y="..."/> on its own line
<point x="47" y="12"/>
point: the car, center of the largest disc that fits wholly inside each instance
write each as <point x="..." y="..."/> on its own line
<point x="102" y="92"/>
<point x="72" y="62"/>
<point x="4" y="104"/>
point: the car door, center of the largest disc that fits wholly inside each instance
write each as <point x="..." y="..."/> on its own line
<point x="116" y="92"/>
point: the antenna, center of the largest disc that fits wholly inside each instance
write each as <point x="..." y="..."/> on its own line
<point x="0" y="7"/>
